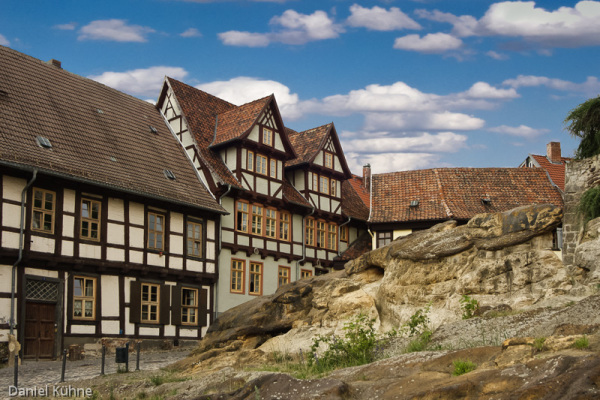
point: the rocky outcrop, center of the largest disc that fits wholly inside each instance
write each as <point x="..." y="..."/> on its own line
<point x="502" y="260"/>
<point x="587" y="253"/>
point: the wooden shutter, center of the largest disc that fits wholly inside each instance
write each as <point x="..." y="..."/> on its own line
<point x="165" y="302"/>
<point x="135" y="301"/>
<point x="176" y="305"/>
<point x="202" y="307"/>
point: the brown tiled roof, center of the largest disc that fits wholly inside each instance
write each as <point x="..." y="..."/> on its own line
<point x="358" y="185"/>
<point x="457" y="193"/>
<point x="307" y="143"/>
<point x="293" y="196"/>
<point x="353" y="204"/>
<point x="235" y="123"/>
<point x="556" y="171"/>
<point x="356" y="249"/>
<point x="98" y="134"/>
<point x="201" y="110"/>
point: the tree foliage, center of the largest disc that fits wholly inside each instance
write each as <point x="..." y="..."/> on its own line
<point x="584" y="122"/>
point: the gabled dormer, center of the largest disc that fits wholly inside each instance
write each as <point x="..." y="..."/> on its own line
<point x="320" y="167"/>
<point x="251" y="141"/>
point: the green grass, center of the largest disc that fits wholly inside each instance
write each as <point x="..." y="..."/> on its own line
<point x="582" y="343"/>
<point x="462" y="367"/>
<point x="539" y="343"/>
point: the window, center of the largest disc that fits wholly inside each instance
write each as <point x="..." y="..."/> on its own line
<point x="310" y="232"/>
<point x="332" y="237"/>
<point x="261" y="164"/>
<point x="43" y="211"/>
<point x="273" y="169"/>
<point x="242" y="217"/>
<point x="257" y="219"/>
<point x="284" y="276"/>
<point x="343" y="233"/>
<point x="255" y="279"/>
<point x="328" y="160"/>
<point x="321" y="225"/>
<point x="284" y="226"/>
<point x="156" y="230"/>
<point x="267" y="137"/>
<point x="333" y="187"/>
<point x="90" y="219"/>
<point x="383" y="238"/>
<point x="305" y="273"/>
<point x="315" y="182"/>
<point x="250" y="161"/>
<point x="237" y="276"/>
<point x="189" y="306"/>
<point x="150" y="302"/>
<point x="271" y="223"/>
<point x="324" y="182"/>
<point x="84" y="298"/>
<point x="194" y="239"/>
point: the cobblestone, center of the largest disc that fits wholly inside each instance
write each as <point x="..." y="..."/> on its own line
<point x="41" y="373"/>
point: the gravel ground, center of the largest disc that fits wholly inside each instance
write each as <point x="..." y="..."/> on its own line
<point x="41" y="373"/>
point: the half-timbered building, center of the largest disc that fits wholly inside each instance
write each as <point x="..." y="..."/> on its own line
<point x="281" y="188"/>
<point x="106" y="229"/>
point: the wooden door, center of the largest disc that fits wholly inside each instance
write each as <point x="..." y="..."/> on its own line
<point x="39" y="330"/>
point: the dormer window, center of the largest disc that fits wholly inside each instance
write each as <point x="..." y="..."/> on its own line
<point x="268" y="137"/>
<point x="486" y="201"/>
<point x="328" y="160"/>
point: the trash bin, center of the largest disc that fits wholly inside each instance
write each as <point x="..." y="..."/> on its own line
<point x="121" y="355"/>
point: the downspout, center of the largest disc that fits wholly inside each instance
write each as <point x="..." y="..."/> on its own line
<point x="219" y="252"/>
<point x="338" y="243"/>
<point x="14" y="268"/>
<point x="370" y="209"/>
<point x="303" y="243"/>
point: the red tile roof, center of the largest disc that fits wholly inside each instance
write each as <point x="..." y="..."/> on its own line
<point x="356" y="249"/>
<point x="457" y="193"/>
<point x="293" y="196"/>
<point x="201" y="110"/>
<point x="98" y="134"/>
<point x="556" y="171"/>
<point x="307" y="143"/>
<point x="353" y="199"/>
<point x="235" y="123"/>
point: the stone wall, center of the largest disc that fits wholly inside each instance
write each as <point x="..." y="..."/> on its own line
<point x="580" y="175"/>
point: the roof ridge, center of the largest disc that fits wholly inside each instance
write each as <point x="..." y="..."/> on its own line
<point x="201" y="91"/>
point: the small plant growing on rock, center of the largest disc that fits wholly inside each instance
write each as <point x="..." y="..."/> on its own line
<point x="539" y="343"/>
<point x="582" y="343"/>
<point x="418" y="326"/>
<point x="469" y="306"/>
<point x="462" y="367"/>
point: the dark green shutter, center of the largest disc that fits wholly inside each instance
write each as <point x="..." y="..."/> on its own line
<point x="135" y="302"/>
<point x="176" y="305"/>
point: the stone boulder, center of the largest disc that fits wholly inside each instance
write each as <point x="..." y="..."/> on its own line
<point x="587" y="253"/>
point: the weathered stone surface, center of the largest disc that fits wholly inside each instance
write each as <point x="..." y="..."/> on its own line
<point x="587" y="253"/>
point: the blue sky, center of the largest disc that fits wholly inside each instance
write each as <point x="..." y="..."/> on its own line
<point x="408" y="84"/>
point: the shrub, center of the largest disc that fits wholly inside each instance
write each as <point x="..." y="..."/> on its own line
<point x="538" y="343"/>
<point x="589" y="204"/>
<point x="419" y="321"/>
<point x="462" y="367"/>
<point x="582" y="343"/>
<point x="468" y="306"/>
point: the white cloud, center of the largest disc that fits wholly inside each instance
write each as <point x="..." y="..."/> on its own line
<point x="391" y="162"/>
<point x="563" y="27"/>
<point x="242" y="90"/>
<point x="430" y="43"/>
<point x="290" y="28"/>
<point x="114" y="30"/>
<point x="190" y="32"/>
<point x="590" y="87"/>
<point x="483" y="90"/>
<point x="66" y="27"/>
<point x="444" y="142"/>
<point x="4" y="41"/>
<point x="444" y="120"/>
<point x="380" y="19"/>
<point x="146" y="82"/>
<point x="521" y="131"/>
<point x="496" y="56"/>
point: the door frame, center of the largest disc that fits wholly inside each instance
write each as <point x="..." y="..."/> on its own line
<point x="58" y="311"/>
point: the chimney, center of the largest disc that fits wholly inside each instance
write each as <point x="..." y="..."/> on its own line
<point x="367" y="176"/>
<point x="553" y="152"/>
<point x="55" y="63"/>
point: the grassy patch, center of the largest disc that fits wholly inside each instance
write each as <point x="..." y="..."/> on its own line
<point x="158" y="380"/>
<point x="462" y="367"/>
<point x="582" y="343"/>
<point x="539" y="343"/>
